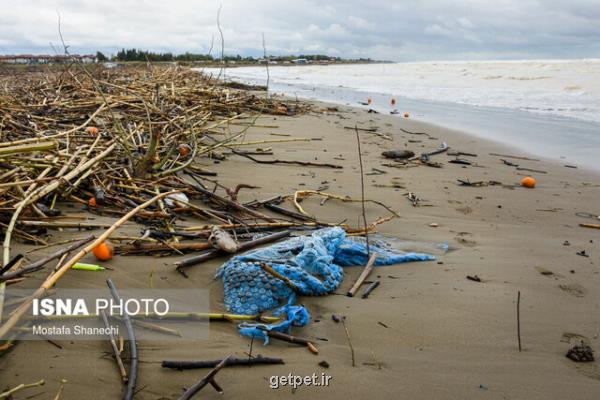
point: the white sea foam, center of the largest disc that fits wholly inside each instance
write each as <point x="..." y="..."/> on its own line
<point x="567" y="88"/>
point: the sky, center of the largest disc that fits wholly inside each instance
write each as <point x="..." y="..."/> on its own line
<point x="398" y="30"/>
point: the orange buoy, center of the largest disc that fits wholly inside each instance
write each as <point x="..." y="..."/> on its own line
<point x="528" y="182"/>
<point x="369" y="101"/>
<point x="92" y="202"/>
<point x="92" y="130"/>
<point x="184" y="150"/>
<point x="393" y="101"/>
<point x="104" y="251"/>
<point x="406" y="115"/>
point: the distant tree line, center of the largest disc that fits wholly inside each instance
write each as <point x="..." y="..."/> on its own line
<point x="144" y="55"/>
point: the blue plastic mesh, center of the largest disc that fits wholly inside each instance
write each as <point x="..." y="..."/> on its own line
<point x="313" y="263"/>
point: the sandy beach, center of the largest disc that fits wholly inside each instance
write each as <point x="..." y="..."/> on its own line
<point x="427" y="332"/>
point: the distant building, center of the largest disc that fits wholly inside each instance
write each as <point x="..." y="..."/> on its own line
<point x="46" y="59"/>
<point x="300" y="61"/>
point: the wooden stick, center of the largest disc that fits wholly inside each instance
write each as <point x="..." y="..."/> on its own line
<point x="39" y="264"/>
<point x="115" y="348"/>
<point x="364" y="274"/>
<point x="213" y="363"/>
<point x="208" y="379"/>
<point x="369" y="289"/>
<point x="54" y="278"/>
<point x="277" y="275"/>
<point x="242" y="247"/>
<point x="519" y="318"/>
<point x="133" y="354"/>
<point x="343" y="320"/>
<point x="294" y="339"/>
<point x="594" y="226"/>
<point x="8" y="393"/>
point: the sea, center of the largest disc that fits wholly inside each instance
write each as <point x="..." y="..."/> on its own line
<point x="549" y="108"/>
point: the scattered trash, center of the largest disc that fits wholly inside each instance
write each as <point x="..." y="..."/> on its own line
<point x="528" y="182"/>
<point x="474" y="278"/>
<point x="104" y="251"/>
<point x="87" y="267"/>
<point x="581" y="353"/>
<point x="249" y="289"/>
<point x="398" y="154"/>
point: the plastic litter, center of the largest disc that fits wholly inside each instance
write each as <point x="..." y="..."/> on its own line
<point x="171" y="199"/>
<point x="313" y="263"/>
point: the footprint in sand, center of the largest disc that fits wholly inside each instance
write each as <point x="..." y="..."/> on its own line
<point x="574" y="288"/>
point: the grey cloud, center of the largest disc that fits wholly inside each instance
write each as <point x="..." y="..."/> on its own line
<point x="384" y="29"/>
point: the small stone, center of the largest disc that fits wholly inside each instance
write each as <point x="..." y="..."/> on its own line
<point x="324" y="364"/>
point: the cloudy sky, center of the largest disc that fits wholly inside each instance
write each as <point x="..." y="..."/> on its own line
<point x="401" y="30"/>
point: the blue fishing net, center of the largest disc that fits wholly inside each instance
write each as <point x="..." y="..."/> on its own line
<point x="313" y="263"/>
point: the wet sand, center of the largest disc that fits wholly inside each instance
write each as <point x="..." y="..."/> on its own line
<point x="427" y="332"/>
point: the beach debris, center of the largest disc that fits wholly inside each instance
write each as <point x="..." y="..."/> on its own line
<point x="209" y="255"/>
<point x="370" y="289"/>
<point x="593" y="226"/>
<point x="398" y="154"/>
<point x="393" y="101"/>
<point x="250" y="289"/>
<point x="292" y="339"/>
<point x="323" y="364"/>
<point x="424" y="157"/>
<point x="222" y="240"/>
<point x="406" y="115"/>
<point x="582" y="253"/>
<point x="510" y="164"/>
<point x="459" y="153"/>
<point x="474" y="278"/>
<point x="587" y="215"/>
<point x="461" y="161"/>
<point x="514" y="157"/>
<point x="544" y="271"/>
<point x="581" y="352"/>
<point x="414" y="133"/>
<point x="8" y="394"/>
<point x="519" y="319"/>
<point x="531" y="170"/>
<point x="350" y="346"/>
<point x="104" y="251"/>
<point x="87" y="267"/>
<point x="208" y="379"/>
<point x="363" y="275"/>
<point x="415" y="201"/>
<point x="574" y="289"/>
<point x="115" y="347"/>
<point x="434" y="224"/>
<point x="231" y="361"/>
<point x="466" y="182"/>
<point x="133" y="352"/>
<point x="336" y="318"/>
<point x="528" y="182"/>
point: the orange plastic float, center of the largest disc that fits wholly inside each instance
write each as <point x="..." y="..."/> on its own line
<point x="184" y="150"/>
<point x="92" y="202"/>
<point x="92" y="130"/>
<point x="104" y="251"/>
<point x="528" y="182"/>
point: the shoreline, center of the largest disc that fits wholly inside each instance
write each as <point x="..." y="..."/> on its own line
<point x="427" y="331"/>
<point x="556" y="123"/>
